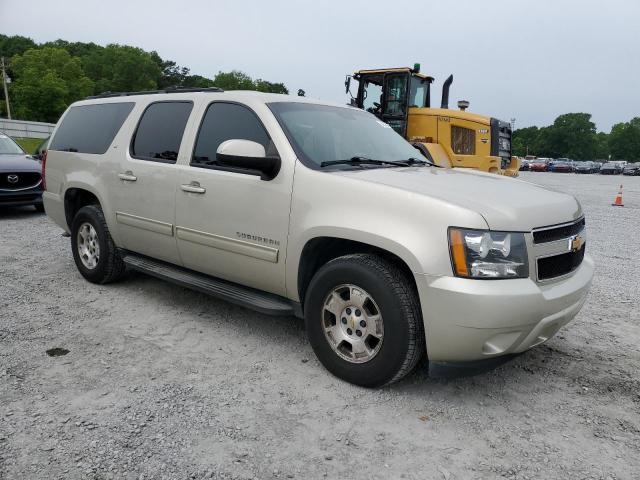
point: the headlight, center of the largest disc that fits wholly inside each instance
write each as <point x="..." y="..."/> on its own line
<point x="488" y="254"/>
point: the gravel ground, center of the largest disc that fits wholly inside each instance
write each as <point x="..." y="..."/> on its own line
<point x="161" y="382"/>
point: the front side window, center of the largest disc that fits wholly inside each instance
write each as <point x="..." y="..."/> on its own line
<point x="9" y="147"/>
<point x="372" y="97"/>
<point x="322" y="133"/>
<point x="463" y="141"/>
<point x="90" y="128"/>
<point x="160" y="131"/>
<point x="227" y="121"/>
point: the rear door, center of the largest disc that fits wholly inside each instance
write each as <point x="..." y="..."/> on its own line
<point x="145" y="182"/>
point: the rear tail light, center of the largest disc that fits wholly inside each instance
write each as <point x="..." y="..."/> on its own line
<point x="44" y="167"/>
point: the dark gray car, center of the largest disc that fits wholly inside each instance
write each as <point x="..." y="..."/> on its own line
<point x="20" y="176"/>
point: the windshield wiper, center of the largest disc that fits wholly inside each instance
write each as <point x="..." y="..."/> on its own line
<point x="356" y="161"/>
<point x="415" y="161"/>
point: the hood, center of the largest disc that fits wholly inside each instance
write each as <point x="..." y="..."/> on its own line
<point x="19" y="163"/>
<point x="505" y="203"/>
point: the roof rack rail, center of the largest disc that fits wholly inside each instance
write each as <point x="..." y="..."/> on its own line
<point x="153" y="92"/>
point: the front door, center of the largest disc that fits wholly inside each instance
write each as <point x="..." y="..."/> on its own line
<point x="233" y="225"/>
<point x="145" y="182"/>
<point x="395" y="100"/>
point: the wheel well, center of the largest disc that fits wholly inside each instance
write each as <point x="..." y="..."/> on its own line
<point x="319" y="251"/>
<point x="74" y="200"/>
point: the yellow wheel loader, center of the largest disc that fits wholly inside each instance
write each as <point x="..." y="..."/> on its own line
<point x="401" y="97"/>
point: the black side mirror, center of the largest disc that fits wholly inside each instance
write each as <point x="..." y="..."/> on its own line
<point x="347" y="85"/>
<point x="245" y="156"/>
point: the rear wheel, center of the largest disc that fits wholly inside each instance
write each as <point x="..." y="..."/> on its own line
<point x="363" y="320"/>
<point x="94" y="252"/>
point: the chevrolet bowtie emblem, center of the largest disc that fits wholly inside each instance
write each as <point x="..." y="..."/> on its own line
<point x="576" y="242"/>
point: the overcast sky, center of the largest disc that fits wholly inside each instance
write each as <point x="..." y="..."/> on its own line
<point x="528" y="59"/>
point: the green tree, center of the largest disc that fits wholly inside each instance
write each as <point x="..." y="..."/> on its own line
<point x="47" y="81"/>
<point x="524" y="141"/>
<point x="197" y="81"/>
<point x="572" y="135"/>
<point x="16" y="45"/>
<point x="171" y="74"/>
<point x="270" y="87"/>
<point x="624" y="140"/>
<point x="234" y="80"/>
<point x="602" y="146"/>
<point x="120" y="68"/>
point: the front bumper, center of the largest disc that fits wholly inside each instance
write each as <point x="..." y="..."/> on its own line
<point x="9" y="198"/>
<point x="469" y="320"/>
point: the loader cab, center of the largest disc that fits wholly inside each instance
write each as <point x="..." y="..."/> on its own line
<point x="390" y="93"/>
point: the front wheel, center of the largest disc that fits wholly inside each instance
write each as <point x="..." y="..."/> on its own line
<point x="94" y="252"/>
<point x="363" y="320"/>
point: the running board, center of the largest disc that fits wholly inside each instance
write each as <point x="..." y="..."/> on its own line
<point x="262" y="302"/>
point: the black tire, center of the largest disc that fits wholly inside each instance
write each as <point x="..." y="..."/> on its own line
<point x="403" y="344"/>
<point x="110" y="266"/>
<point x="39" y="207"/>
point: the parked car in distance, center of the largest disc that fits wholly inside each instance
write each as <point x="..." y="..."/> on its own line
<point x="198" y="188"/>
<point x="632" y="169"/>
<point x="539" y="165"/>
<point x="524" y="165"/>
<point x="611" y="168"/>
<point x="586" y="167"/>
<point x="562" y="166"/>
<point x="20" y="176"/>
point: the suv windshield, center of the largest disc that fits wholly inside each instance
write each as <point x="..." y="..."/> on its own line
<point x="321" y="133"/>
<point x="9" y="147"/>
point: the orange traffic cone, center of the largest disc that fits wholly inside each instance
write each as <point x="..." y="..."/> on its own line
<point x="618" y="201"/>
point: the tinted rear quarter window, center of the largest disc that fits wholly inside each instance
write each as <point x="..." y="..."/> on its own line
<point x="160" y="131"/>
<point x="90" y="128"/>
<point x="226" y="121"/>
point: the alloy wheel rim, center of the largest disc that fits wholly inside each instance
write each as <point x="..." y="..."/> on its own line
<point x="88" y="246"/>
<point x="352" y="323"/>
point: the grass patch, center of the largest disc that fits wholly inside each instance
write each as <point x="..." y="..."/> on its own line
<point x="29" y="144"/>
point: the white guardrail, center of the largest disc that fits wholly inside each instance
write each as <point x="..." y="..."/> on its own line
<point x="25" y="129"/>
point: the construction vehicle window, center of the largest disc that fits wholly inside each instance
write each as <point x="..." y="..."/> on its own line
<point x="395" y="96"/>
<point x="463" y="141"/>
<point x="418" y="93"/>
<point x="372" y="98"/>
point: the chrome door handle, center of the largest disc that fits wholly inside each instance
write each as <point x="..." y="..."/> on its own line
<point x="193" y="187"/>
<point x="127" y="176"/>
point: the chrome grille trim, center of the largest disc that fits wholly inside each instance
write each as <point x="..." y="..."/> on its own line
<point x="22" y="188"/>
<point x="556" y="243"/>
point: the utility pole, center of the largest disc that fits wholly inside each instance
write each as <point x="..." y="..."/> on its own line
<point x="4" y="85"/>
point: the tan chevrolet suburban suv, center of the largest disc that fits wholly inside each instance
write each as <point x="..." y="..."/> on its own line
<point x="291" y="206"/>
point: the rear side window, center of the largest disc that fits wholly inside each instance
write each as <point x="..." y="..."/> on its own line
<point x="90" y="128"/>
<point x="226" y="121"/>
<point x="160" y="131"/>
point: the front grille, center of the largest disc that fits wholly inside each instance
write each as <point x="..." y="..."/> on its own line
<point x="558" y="265"/>
<point x="552" y="234"/>
<point x="19" y="180"/>
<point x="501" y="141"/>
